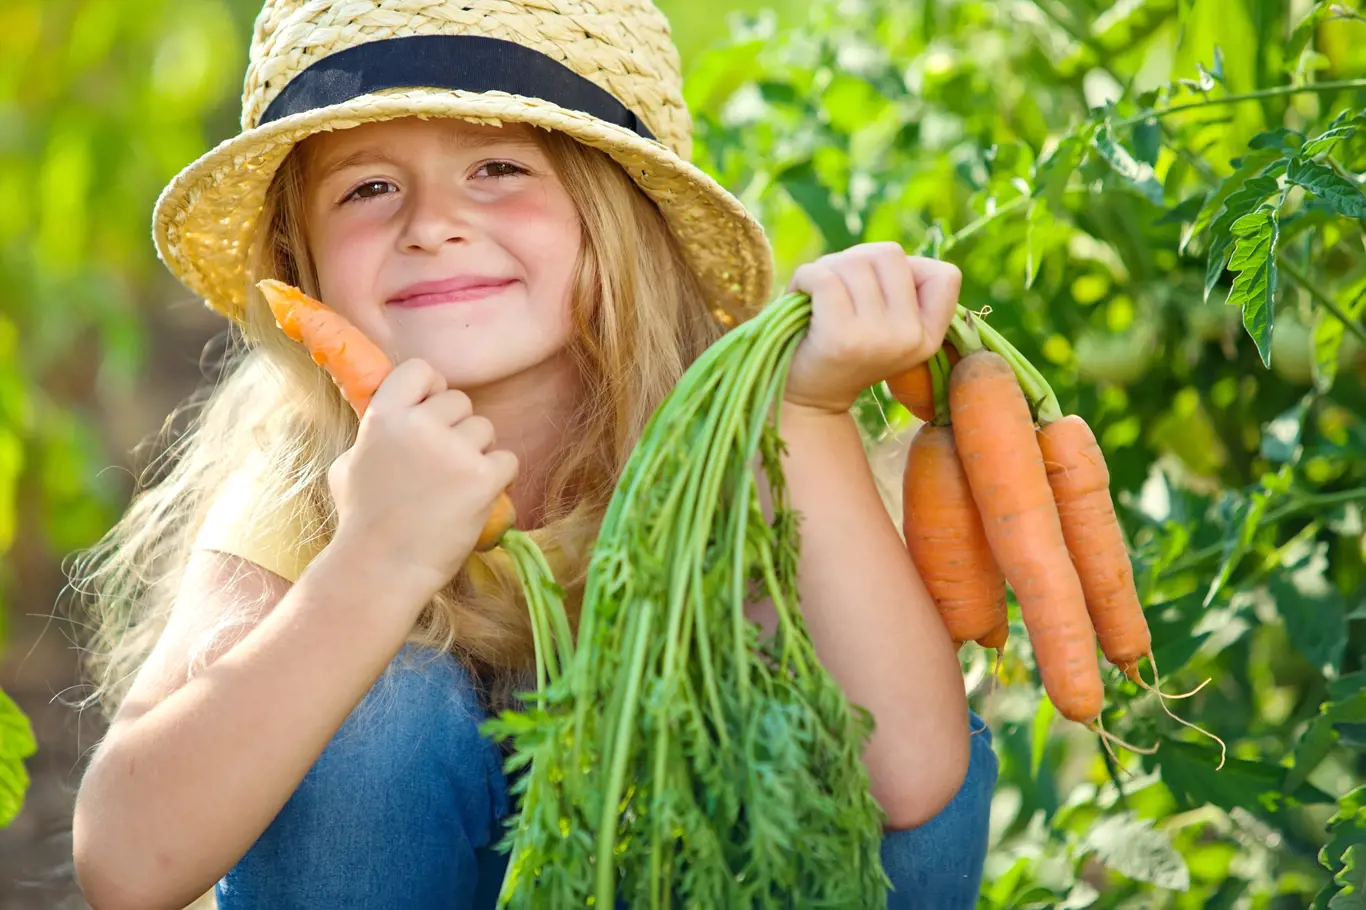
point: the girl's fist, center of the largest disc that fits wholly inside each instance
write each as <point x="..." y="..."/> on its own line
<point x="875" y="312"/>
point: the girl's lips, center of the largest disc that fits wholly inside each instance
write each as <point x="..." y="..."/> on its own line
<point x="459" y="294"/>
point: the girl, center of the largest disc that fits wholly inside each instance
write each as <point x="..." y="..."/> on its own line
<point x="294" y="639"/>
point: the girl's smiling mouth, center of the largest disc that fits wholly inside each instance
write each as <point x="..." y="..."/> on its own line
<point x="459" y="289"/>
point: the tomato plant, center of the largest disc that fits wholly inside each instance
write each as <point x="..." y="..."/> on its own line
<point x="1160" y="202"/>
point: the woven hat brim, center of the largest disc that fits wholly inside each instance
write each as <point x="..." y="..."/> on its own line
<point x="205" y="218"/>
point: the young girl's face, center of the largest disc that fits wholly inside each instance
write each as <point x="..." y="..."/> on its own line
<point x="445" y="240"/>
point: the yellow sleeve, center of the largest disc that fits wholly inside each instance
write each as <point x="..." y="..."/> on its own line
<point x="236" y="525"/>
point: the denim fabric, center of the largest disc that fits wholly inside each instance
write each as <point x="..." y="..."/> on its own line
<point x="402" y="810"/>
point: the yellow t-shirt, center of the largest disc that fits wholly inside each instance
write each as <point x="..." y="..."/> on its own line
<point x="238" y="526"/>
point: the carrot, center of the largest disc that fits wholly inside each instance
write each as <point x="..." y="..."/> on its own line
<point x="1081" y="488"/>
<point x="995" y="640"/>
<point x="357" y="365"/>
<point x="994" y="430"/>
<point x="945" y="537"/>
<point x="914" y="389"/>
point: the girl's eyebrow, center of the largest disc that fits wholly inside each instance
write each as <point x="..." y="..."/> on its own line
<point x="357" y="158"/>
<point x="452" y="142"/>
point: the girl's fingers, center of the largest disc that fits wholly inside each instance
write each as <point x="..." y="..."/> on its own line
<point x="897" y="280"/>
<point x="865" y="290"/>
<point x="818" y="280"/>
<point x="411" y="382"/>
<point x="449" y="407"/>
<point x="937" y="284"/>
<point x="477" y="431"/>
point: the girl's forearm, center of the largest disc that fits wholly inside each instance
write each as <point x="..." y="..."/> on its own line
<point x="176" y="795"/>
<point x="872" y="621"/>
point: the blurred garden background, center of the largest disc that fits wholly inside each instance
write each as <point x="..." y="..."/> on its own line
<point x="1161" y="204"/>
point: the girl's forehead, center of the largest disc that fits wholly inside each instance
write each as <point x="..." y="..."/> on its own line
<point x="452" y="132"/>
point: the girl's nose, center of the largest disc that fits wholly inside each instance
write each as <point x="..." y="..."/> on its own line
<point x="435" y="216"/>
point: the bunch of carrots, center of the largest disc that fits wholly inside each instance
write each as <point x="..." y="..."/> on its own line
<point x="1001" y="488"/>
<point x="665" y="743"/>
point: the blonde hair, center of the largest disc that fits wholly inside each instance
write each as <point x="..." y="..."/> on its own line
<point x="640" y="318"/>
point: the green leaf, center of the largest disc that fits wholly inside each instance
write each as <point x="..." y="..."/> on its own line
<point x="1254" y="288"/>
<point x="1171" y="626"/>
<point x="818" y="202"/>
<point x="1241" y="202"/>
<point x="1246" y="516"/>
<point x="16" y="733"/>
<point x="1321" y="735"/>
<point x="1147" y="141"/>
<point x="1344" y="126"/>
<point x="1043" y="718"/>
<point x="1282" y="434"/>
<point x="1351" y="881"/>
<point x="1342" y="195"/>
<point x="1132" y="847"/>
<point x="1053" y="172"/>
<point x="16" y="743"/>
<point x="1313" y="608"/>
<point x="1135" y="173"/>
<point x="1304" y="30"/>
<point x="1329" y="333"/>
<point x="1252" y="165"/>
<point x="1281" y="139"/>
<point x="1183" y="211"/>
<point x="1257" y="786"/>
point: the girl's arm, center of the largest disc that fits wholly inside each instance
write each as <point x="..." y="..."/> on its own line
<point x="185" y="781"/>
<point x="871" y="619"/>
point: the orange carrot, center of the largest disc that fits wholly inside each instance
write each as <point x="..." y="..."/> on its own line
<point x="994" y="429"/>
<point x="995" y="640"/>
<point x="1081" y="488"/>
<point x="945" y="537"/>
<point x="914" y="389"/>
<point x="357" y="365"/>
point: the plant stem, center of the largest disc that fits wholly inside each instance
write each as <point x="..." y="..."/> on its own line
<point x="1327" y="302"/>
<point x="968" y="230"/>
<point x="1247" y="96"/>
<point x="606" y="890"/>
<point x="939" y="381"/>
<point x="1042" y="401"/>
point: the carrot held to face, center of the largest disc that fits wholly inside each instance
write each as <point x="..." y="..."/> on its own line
<point x="357" y="365"/>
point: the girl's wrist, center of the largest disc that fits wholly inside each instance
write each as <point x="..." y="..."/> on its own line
<point x="373" y="578"/>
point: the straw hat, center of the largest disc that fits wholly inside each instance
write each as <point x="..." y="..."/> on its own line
<point x="605" y="72"/>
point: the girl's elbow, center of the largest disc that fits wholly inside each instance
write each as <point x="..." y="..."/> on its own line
<point x="923" y="797"/>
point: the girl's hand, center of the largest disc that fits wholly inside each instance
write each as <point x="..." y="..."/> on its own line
<point x="876" y="312"/>
<point x="419" y="483"/>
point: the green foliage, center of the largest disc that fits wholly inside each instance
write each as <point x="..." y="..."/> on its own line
<point x="1170" y="229"/>
<point x="1186" y="269"/>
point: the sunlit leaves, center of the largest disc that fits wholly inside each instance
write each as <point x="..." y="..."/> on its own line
<point x="1343" y="196"/>
<point x="16" y="744"/>
<point x="1138" y="175"/>
<point x="1242" y="201"/>
<point x="1133" y="847"/>
<point x="1254" y="288"/>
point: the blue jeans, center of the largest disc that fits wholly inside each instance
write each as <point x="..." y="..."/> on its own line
<point x="403" y="808"/>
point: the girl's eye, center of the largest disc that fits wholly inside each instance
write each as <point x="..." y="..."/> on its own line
<point x="502" y="169"/>
<point x="368" y="190"/>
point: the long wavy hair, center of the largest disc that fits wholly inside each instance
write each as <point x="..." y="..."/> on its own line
<point x="640" y="318"/>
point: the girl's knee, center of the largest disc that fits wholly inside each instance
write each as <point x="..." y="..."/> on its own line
<point x="939" y="864"/>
